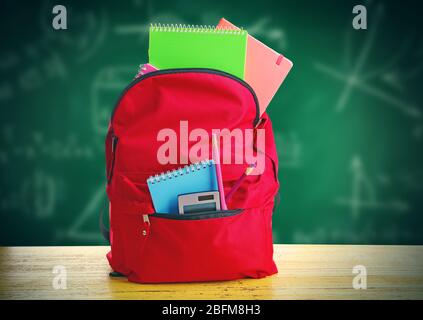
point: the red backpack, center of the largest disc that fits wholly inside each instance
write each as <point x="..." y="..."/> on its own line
<point x="151" y="247"/>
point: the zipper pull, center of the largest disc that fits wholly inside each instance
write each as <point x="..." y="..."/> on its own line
<point x="146" y="225"/>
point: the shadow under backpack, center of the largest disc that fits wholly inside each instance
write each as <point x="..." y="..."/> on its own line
<point x="150" y="247"/>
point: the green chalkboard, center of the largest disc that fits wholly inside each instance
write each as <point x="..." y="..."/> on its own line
<point x="347" y="120"/>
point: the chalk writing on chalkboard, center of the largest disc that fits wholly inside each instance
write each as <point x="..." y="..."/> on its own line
<point x="290" y="149"/>
<point x="49" y="66"/>
<point x="108" y="84"/>
<point x="359" y="76"/>
<point x="53" y="171"/>
<point x="141" y="29"/>
<point x="82" y="229"/>
<point x="274" y="36"/>
<point x="37" y="196"/>
<point x="37" y="145"/>
<point x="84" y="37"/>
<point x="40" y="194"/>
<point x="364" y="194"/>
<point x="368" y="233"/>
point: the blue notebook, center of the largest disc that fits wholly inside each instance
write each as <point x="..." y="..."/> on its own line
<point x="166" y="187"/>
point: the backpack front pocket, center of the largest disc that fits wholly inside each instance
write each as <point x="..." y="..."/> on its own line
<point x="205" y="246"/>
<point x="220" y="245"/>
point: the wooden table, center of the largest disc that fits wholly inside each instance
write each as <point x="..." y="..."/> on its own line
<point x="305" y="272"/>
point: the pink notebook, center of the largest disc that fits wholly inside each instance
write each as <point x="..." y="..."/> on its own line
<point x="265" y="69"/>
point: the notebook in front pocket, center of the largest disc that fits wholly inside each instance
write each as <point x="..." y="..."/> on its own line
<point x="165" y="187"/>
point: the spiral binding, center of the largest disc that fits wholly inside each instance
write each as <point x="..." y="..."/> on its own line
<point x="179" y="172"/>
<point x="194" y="28"/>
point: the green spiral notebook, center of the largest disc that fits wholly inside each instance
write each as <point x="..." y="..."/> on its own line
<point x="180" y="46"/>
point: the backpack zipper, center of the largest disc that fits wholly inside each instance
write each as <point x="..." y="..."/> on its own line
<point x="189" y="70"/>
<point x="146" y="225"/>
<point x="112" y="165"/>
<point x="198" y="216"/>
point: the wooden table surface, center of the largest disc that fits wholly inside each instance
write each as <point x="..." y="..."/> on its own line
<point x="305" y="272"/>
